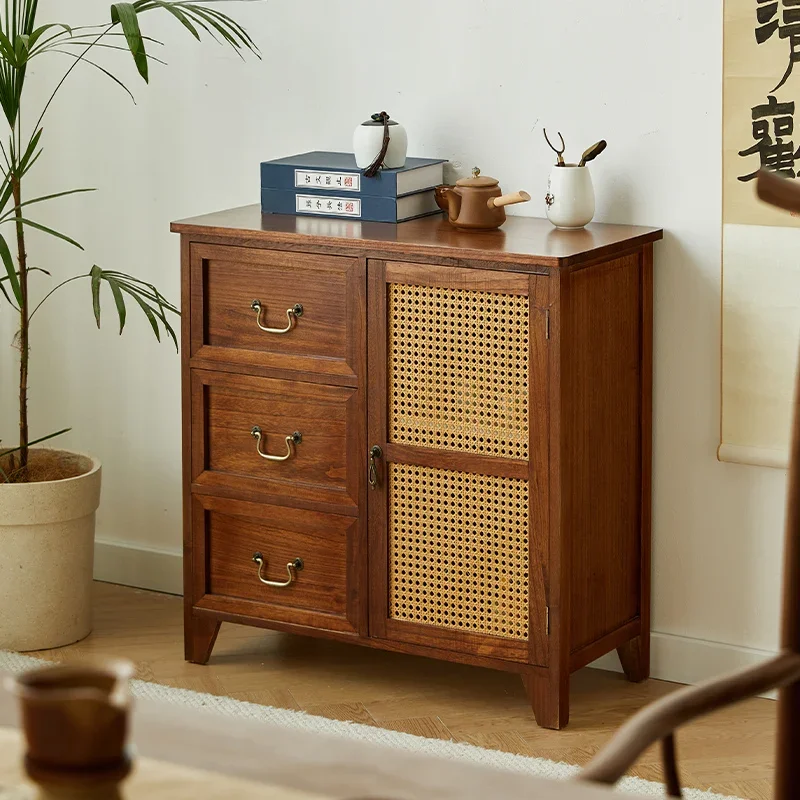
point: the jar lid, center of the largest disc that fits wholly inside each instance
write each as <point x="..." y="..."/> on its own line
<point x="477" y="180"/>
<point x="377" y="119"/>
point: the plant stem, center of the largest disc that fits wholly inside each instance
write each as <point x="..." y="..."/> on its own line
<point x="24" y="326"/>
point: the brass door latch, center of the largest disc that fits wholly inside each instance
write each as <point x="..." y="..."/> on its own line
<point x="374" y="454"/>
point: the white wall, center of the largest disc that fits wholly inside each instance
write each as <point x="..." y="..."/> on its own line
<point x="473" y="81"/>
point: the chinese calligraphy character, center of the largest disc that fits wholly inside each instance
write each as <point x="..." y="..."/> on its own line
<point x="319" y="204"/>
<point x="348" y="207"/>
<point x="348" y="181"/>
<point x="319" y="179"/>
<point x="329" y="205"/>
<point x="308" y="178"/>
<point x="308" y="204"/>
<point x="781" y="17"/>
<point x="327" y="180"/>
<point x="339" y="180"/>
<point x="772" y="123"/>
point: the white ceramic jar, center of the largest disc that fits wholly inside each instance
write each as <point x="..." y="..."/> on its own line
<point x="570" y="197"/>
<point x="368" y="140"/>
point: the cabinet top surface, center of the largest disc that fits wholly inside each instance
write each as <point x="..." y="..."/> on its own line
<point x="527" y="240"/>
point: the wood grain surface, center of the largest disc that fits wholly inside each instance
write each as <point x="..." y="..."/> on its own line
<point x="325" y="339"/>
<point x="225" y="454"/>
<point x="228" y="533"/>
<point x="526" y="242"/>
<point x="185" y="753"/>
<point x="157" y="779"/>
<point x="494" y="371"/>
<point x="602" y="423"/>
<point x="731" y="752"/>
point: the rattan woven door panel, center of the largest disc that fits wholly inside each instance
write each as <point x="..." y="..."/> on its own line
<point x="458" y="370"/>
<point x="458" y="550"/>
<point x="450" y="532"/>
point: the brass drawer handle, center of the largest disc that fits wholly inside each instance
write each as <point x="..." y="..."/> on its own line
<point x="292" y="313"/>
<point x="292" y="568"/>
<point x="291" y="441"/>
<point x="372" y="475"/>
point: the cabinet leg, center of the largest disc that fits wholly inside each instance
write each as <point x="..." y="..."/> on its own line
<point x="549" y="700"/>
<point x="635" y="658"/>
<point x="199" y="635"/>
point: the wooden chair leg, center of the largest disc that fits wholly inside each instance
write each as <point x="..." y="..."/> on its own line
<point x="787" y="770"/>
<point x="199" y="637"/>
<point x="635" y="658"/>
<point x="549" y="699"/>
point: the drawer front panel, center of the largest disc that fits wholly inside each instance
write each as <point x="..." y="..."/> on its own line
<point x="243" y="419"/>
<point x="325" y="338"/>
<point x="322" y="592"/>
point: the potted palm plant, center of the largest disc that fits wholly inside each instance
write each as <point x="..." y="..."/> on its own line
<point x="48" y="497"/>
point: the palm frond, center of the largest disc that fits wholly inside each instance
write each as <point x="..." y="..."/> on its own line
<point x="196" y="17"/>
<point x="152" y="303"/>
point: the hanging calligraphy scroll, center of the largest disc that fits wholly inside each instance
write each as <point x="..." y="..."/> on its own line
<point x="760" y="245"/>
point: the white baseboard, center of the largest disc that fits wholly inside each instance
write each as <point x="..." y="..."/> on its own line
<point x="679" y="659"/>
<point x="143" y="567"/>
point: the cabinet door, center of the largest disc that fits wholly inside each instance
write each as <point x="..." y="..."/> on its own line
<point x="458" y="502"/>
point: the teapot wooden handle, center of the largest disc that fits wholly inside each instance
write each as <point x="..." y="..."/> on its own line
<point x="508" y="199"/>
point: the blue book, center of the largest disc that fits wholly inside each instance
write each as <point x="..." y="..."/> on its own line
<point x="349" y="206"/>
<point x="325" y="172"/>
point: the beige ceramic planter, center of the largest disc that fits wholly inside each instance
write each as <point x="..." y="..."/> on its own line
<point x="46" y="560"/>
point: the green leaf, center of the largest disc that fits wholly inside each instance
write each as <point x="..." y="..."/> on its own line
<point x="82" y="57"/>
<point x="42" y="199"/>
<point x="32" y="144"/>
<point x="7" y="50"/>
<point x="5" y="293"/>
<point x="39" y="32"/>
<point x="181" y="17"/>
<point x="50" y="231"/>
<point x="97" y="276"/>
<point x="151" y="317"/>
<point x="11" y="269"/>
<point x="153" y="304"/>
<point x="125" y="15"/>
<point x="4" y="453"/>
<point x="119" y="299"/>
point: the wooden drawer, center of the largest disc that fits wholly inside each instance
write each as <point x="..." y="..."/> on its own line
<point x="323" y="593"/>
<point x="327" y="341"/>
<point x="323" y="471"/>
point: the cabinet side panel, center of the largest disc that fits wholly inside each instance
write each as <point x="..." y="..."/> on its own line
<point x="601" y="373"/>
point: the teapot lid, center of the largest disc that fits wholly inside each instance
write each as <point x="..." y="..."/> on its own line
<point x="477" y="180"/>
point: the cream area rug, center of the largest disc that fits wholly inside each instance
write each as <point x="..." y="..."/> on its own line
<point x="299" y="720"/>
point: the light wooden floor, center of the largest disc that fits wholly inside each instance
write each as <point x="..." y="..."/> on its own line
<point x="730" y="753"/>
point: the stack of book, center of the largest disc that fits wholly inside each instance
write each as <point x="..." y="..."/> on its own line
<point x="331" y="185"/>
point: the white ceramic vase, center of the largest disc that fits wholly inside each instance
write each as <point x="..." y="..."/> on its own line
<point x="368" y="140"/>
<point x="570" y="197"/>
<point x="47" y="559"/>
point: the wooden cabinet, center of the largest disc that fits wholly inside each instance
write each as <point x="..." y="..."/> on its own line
<point x="421" y="439"/>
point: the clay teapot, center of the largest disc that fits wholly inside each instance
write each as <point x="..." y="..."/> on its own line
<point x="477" y="203"/>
